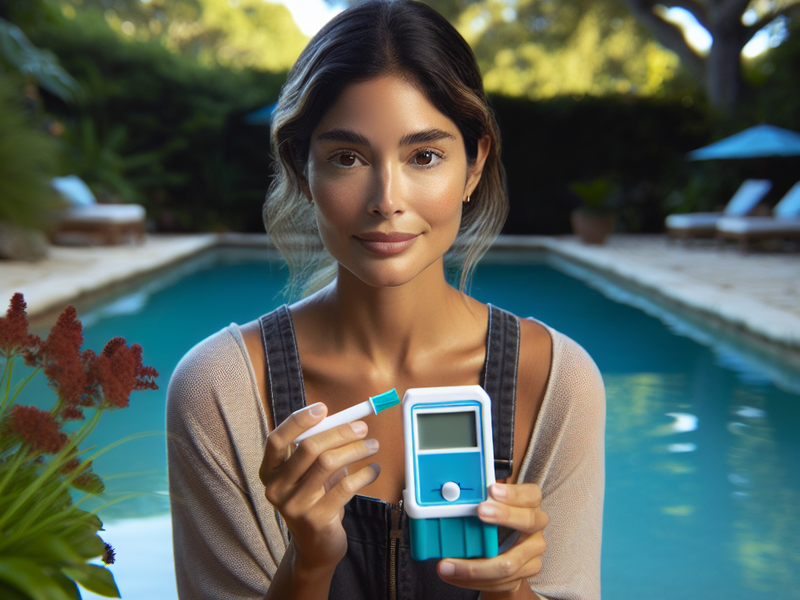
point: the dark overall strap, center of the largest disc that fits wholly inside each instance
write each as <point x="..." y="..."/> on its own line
<point x="499" y="379"/>
<point x="286" y="393"/>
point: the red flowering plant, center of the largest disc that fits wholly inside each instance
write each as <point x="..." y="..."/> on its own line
<point x="46" y="539"/>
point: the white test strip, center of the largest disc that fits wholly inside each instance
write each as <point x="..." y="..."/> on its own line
<point x="348" y="415"/>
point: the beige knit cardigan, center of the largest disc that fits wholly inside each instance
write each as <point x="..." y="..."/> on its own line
<point x="227" y="541"/>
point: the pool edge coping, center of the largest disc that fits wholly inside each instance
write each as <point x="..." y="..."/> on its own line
<point x="743" y="314"/>
<point x="747" y="315"/>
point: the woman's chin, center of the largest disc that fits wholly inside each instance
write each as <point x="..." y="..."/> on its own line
<point x="383" y="275"/>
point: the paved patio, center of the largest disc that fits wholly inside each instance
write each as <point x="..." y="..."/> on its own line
<point x="758" y="293"/>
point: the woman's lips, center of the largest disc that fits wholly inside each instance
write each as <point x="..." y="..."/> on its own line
<point x="386" y="243"/>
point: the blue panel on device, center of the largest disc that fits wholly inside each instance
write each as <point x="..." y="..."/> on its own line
<point x="465" y="468"/>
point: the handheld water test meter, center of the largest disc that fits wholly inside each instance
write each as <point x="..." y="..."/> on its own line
<point x="449" y="467"/>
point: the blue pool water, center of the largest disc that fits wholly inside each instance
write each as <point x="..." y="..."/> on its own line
<point x="703" y="435"/>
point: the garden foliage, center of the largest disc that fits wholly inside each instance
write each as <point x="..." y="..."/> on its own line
<point x="168" y="129"/>
<point x="46" y="539"/>
<point x="28" y="159"/>
<point x="161" y="129"/>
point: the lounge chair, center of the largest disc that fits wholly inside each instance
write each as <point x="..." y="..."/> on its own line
<point x="784" y="224"/>
<point x="85" y="222"/>
<point x="702" y="224"/>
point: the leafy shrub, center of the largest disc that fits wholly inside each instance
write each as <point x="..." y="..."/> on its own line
<point x="169" y="128"/>
<point x="28" y="160"/>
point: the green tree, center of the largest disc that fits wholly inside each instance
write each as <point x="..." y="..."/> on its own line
<point x="720" y="71"/>
<point x="233" y="33"/>
<point x="542" y="48"/>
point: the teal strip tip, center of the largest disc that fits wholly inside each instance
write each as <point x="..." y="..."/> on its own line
<point x="385" y="400"/>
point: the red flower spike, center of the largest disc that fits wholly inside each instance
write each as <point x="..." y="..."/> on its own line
<point x="14" y="336"/>
<point x="37" y="428"/>
<point x="60" y="357"/>
<point x="71" y="413"/>
<point x="119" y="371"/>
<point x="71" y="465"/>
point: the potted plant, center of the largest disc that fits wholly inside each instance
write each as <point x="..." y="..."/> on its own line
<point x="594" y="219"/>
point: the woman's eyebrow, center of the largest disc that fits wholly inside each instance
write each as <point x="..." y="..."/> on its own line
<point x="343" y="135"/>
<point x="426" y="136"/>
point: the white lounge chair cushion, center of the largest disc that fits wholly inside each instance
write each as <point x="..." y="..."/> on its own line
<point x="749" y="225"/>
<point x="103" y="213"/>
<point x="693" y="220"/>
<point x="749" y="194"/>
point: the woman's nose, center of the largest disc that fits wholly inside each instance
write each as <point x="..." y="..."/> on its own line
<point x="386" y="197"/>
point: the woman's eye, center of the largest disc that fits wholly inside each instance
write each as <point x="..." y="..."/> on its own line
<point x="426" y="158"/>
<point x="345" y="160"/>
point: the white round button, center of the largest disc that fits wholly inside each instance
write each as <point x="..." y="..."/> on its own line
<point x="451" y="491"/>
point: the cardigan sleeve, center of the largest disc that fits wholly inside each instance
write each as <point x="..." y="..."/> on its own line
<point x="227" y="542"/>
<point x="566" y="459"/>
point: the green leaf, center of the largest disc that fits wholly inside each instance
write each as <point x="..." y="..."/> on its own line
<point x="66" y="584"/>
<point x="87" y="543"/>
<point x="94" y="578"/>
<point x="31" y="580"/>
<point x="8" y="592"/>
<point x="43" y="549"/>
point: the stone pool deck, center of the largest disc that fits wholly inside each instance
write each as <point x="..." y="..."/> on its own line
<point x="758" y="293"/>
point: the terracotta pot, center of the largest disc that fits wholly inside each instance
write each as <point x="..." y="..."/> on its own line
<point x="592" y="228"/>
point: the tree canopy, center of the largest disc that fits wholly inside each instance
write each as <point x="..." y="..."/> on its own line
<point x="232" y="33"/>
<point x="545" y="48"/>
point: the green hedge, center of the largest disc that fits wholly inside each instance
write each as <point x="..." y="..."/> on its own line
<point x="160" y="129"/>
<point x="171" y="129"/>
<point x="639" y="144"/>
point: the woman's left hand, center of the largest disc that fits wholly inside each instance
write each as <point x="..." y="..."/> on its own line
<point x="517" y="507"/>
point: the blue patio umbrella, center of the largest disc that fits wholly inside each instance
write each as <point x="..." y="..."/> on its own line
<point x="754" y="142"/>
<point x="262" y="116"/>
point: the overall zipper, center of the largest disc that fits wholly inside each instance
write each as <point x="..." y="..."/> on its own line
<point x="395" y="535"/>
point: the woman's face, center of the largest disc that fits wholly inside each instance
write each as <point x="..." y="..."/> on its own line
<point x="388" y="174"/>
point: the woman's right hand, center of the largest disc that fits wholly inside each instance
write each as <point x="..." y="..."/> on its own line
<point x="311" y="487"/>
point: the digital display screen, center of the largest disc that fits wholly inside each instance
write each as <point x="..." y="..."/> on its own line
<point x="447" y="430"/>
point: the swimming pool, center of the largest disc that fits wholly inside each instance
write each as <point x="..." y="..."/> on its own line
<point x="703" y="451"/>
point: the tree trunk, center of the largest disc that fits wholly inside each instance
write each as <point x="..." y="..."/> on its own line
<point x="724" y="81"/>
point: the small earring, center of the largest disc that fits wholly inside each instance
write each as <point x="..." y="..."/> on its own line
<point x="467" y="200"/>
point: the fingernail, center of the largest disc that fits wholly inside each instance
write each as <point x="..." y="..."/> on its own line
<point x="317" y="410"/>
<point x="359" y="427"/>
<point x="447" y="569"/>
<point x="372" y="445"/>
<point x="499" y="491"/>
<point x="487" y="510"/>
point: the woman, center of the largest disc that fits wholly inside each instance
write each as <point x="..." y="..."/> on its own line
<point x="387" y="148"/>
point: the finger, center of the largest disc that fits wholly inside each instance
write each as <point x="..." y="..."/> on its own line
<point x="523" y="560"/>
<point x="315" y="461"/>
<point x="528" y="520"/>
<point x="349" y="486"/>
<point x="524" y="495"/>
<point x="336" y="478"/>
<point x="326" y="507"/>
<point x="280" y="439"/>
<point x="331" y="461"/>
